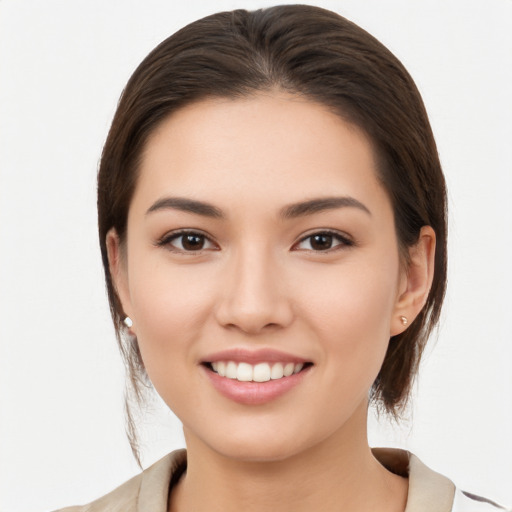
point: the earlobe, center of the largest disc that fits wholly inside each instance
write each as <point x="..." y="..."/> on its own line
<point x="418" y="278"/>
<point x="118" y="273"/>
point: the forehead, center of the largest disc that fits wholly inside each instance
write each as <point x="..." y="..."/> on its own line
<point x="271" y="146"/>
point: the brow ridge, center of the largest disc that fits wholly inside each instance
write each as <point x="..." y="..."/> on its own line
<point x="321" y="204"/>
<point x="186" y="205"/>
<point x="291" y="211"/>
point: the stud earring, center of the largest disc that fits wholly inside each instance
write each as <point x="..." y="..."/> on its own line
<point x="128" y="322"/>
<point x="404" y="320"/>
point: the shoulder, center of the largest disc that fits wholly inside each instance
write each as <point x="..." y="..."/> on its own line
<point x="430" y="491"/>
<point x="148" y="490"/>
<point x="429" y="484"/>
<point x="122" y="498"/>
<point x="432" y="483"/>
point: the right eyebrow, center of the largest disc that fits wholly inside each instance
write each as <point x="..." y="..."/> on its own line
<point x="187" y="205"/>
<point x="321" y="204"/>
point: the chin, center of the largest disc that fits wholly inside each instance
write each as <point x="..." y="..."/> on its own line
<point x="261" y="446"/>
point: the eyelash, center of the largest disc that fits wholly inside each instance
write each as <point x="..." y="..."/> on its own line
<point x="344" y="241"/>
<point x="166" y="240"/>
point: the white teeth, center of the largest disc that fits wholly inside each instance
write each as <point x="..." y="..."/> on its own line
<point x="231" y="370"/>
<point x="244" y="372"/>
<point x="261" y="372"/>
<point x="288" y="369"/>
<point x="277" y="371"/>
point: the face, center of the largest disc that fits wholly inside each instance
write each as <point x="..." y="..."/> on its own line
<point x="261" y="272"/>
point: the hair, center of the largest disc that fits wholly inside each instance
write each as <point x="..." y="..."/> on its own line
<point x="323" y="57"/>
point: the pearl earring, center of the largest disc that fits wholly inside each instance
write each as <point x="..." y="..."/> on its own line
<point x="404" y="320"/>
<point x="128" y="322"/>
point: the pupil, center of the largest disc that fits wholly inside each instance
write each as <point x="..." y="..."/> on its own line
<point x="193" y="242"/>
<point x="321" y="242"/>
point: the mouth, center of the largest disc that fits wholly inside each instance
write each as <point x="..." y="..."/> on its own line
<point x="260" y="372"/>
<point x="255" y="377"/>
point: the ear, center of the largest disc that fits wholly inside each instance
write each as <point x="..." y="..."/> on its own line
<point x="415" y="281"/>
<point x="118" y="272"/>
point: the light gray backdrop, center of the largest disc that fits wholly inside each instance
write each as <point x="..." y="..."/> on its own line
<point x="62" y="67"/>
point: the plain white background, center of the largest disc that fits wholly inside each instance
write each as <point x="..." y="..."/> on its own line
<point x="62" y="66"/>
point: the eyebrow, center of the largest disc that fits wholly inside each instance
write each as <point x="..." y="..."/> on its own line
<point x="187" y="205"/>
<point x="321" y="204"/>
<point x="291" y="211"/>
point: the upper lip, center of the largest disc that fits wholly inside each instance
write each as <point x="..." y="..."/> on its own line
<point x="243" y="355"/>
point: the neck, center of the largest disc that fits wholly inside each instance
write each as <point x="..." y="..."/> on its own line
<point x="340" y="473"/>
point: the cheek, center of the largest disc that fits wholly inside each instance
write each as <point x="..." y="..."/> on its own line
<point x="171" y="306"/>
<point x="361" y="296"/>
<point x="350" y="310"/>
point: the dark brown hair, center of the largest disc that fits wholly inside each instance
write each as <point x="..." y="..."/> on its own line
<point x="319" y="55"/>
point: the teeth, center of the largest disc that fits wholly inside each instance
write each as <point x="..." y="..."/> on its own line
<point x="261" y="372"/>
<point x="277" y="371"/>
<point x="244" y="372"/>
<point x="231" y="370"/>
<point x="288" y="369"/>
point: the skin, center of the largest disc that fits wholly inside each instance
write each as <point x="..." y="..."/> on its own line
<point x="258" y="282"/>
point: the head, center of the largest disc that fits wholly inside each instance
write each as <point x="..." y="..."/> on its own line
<point x="317" y="57"/>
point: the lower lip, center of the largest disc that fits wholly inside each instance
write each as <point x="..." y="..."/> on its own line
<point x="254" y="393"/>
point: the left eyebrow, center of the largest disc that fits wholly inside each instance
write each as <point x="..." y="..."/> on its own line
<point x="321" y="204"/>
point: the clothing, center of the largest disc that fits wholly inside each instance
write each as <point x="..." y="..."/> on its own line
<point x="428" y="491"/>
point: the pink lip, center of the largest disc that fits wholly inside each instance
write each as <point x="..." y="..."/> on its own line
<point x="254" y="393"/>
<point x="241" y="355"/>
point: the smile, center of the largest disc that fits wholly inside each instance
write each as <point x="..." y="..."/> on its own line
<point x="261" y="372"/>
<point x="254" y="377"/>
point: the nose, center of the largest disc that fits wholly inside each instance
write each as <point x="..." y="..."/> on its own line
<point x="254" y="298"/>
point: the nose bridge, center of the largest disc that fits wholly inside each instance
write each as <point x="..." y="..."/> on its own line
<point x="255" y="294"/>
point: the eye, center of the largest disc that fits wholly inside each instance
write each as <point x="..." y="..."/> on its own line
<point x="187" y="241"/>
<point x="323" y="241"/>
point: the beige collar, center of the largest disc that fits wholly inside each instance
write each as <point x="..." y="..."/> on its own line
<point x="428" y="491"/>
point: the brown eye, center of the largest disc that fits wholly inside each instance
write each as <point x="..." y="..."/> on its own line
<point x="193" y="242"/>
<point x="188" y="241"/>
<point x="323" y="241"/>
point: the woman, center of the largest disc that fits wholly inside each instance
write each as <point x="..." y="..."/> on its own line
<point x="272" y="218"/>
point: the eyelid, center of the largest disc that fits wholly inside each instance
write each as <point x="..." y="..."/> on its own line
<point x="165" y="240"/>
<point x="345" y="239"/>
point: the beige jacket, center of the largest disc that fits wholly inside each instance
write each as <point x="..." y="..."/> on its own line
<point x="428" y="491"/>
